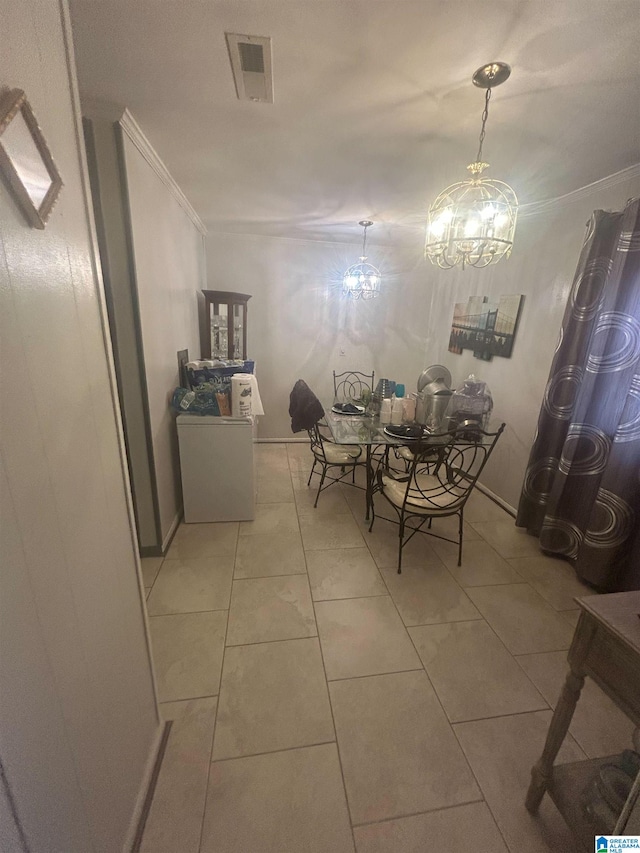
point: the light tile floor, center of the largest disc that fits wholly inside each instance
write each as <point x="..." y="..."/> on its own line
<point x="322" y="703"/>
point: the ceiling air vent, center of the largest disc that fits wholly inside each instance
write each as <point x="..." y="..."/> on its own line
<point x="251" y="65"/>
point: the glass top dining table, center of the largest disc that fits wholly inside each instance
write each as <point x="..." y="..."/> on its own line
<point x="367" y="431"/>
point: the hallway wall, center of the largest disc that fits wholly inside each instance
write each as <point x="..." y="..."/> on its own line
<point x="78" y="717"/>
<point x="153" y="262"/>
<point x="167" y="241"/>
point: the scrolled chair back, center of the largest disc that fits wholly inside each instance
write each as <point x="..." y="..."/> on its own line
<point x="352" y="386"/>
<point x="315" y="440"/>
<point x="442" y="476"/>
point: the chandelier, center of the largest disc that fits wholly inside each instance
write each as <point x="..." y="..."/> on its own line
<point x="473" y="222"/>
<point x="362" y="280"/>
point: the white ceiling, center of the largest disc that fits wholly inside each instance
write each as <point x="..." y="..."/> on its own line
<point x="374" y="108"/>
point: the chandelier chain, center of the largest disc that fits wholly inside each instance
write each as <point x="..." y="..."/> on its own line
<point x="364" y="242"/>
<point x="485" y="115"/>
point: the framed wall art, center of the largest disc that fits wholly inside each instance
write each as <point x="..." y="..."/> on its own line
<point x="486" y="325"/>
<point x="26" y="163"/>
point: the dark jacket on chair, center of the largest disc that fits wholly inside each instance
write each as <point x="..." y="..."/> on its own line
<point x="304" y="407"/>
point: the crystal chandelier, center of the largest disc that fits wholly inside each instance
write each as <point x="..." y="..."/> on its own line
<point x="473" y="222"/>
<point x="362" y="280"/>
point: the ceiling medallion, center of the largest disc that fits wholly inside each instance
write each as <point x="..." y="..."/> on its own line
<point x="472" y="223"/>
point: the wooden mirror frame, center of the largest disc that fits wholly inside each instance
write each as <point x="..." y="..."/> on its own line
<point x="12" y="103"/>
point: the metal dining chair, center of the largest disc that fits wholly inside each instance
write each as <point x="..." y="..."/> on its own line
<point x="437" y="485"/>
<point x="349" y="386"/>
<point x="328" y="455"/>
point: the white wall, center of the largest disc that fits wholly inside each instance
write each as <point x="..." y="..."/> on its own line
<point x="169" y="260"/>
<point x="298" y="322"/>
<point x="78" y="716"/>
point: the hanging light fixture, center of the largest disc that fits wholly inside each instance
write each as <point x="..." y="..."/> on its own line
<point x="362" y="280"/>
<point x="473" y="222"/>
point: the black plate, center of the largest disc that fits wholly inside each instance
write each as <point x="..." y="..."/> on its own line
<point x="407" y="432"/>
<point x="347" y="409"/>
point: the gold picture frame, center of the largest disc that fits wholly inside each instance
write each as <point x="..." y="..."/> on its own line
<point x="26" y="163"/>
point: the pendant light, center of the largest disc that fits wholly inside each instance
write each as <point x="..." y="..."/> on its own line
<point x="362" y="280"/>
<point x="472" y="223"/>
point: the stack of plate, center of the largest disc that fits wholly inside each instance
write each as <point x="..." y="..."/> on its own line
<point x="407" y="432"/>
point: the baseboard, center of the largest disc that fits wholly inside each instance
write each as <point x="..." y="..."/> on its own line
<point x="496" y="499"/>
<point x="147" y="789"/>
<point x="282" y="440"/>
<point x="168" y="539"/>
<point x="161" y="550"/>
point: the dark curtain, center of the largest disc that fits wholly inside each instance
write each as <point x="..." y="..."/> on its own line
<point x="581" y="493"/>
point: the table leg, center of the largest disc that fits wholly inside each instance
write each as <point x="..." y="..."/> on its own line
<point x="543" y="769"/>
<point x="369" y="482"/>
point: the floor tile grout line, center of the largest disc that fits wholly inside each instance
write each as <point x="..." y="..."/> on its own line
<point x="335" y="730"/>
<point x="215" y="722"/>
<point x="481" y="789"/>
<point x="503" y="716"/>
<point x="264" y="577"/>
<point x="435" y="692"/>
<point x="271" y="751"/>
<point x="380" y="572"/>
<point x="153" y="583"/>
<point x="479" y="618"/>
<point x="543" y="600"/>
<point x="335" y="548"/>
<point x="354" y="598"/>
<point x="189" y="612"/>
<point x="350" y="597"/>
<point x="517" y="655"/>
<point x="509" y="652"/>
<point x="444" y="712"/>
<point x="270" y="642"/>
<point x="189" y="699"/>
<point x="374" y="674"/>
<point x="333" y="720"/>
<point x="418" y="814"/>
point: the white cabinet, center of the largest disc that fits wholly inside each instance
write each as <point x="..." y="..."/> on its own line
<point x="216" y="464"/>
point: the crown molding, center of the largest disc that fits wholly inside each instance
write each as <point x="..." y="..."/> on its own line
<point x="547" y="205"/>
<point x="132" y="129"/>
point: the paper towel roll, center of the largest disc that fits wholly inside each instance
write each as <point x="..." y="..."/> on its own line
<point x="241" y="393"/>
<point x="245" y="396"/>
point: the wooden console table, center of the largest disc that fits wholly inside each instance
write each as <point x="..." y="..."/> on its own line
<point x="606" y="647"/>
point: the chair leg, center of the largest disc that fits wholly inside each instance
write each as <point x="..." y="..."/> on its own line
<point x="401" y="537"/>
<point x="313" y="468"/>
<point x="324" y="474"/>
<point x="460" y="541"/>
<point x="373" y="516"/>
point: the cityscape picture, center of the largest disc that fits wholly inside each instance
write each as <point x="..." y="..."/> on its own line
<point x="486" y="326"/>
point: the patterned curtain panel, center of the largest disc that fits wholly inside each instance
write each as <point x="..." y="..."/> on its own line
<point x="581" y="493"/>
